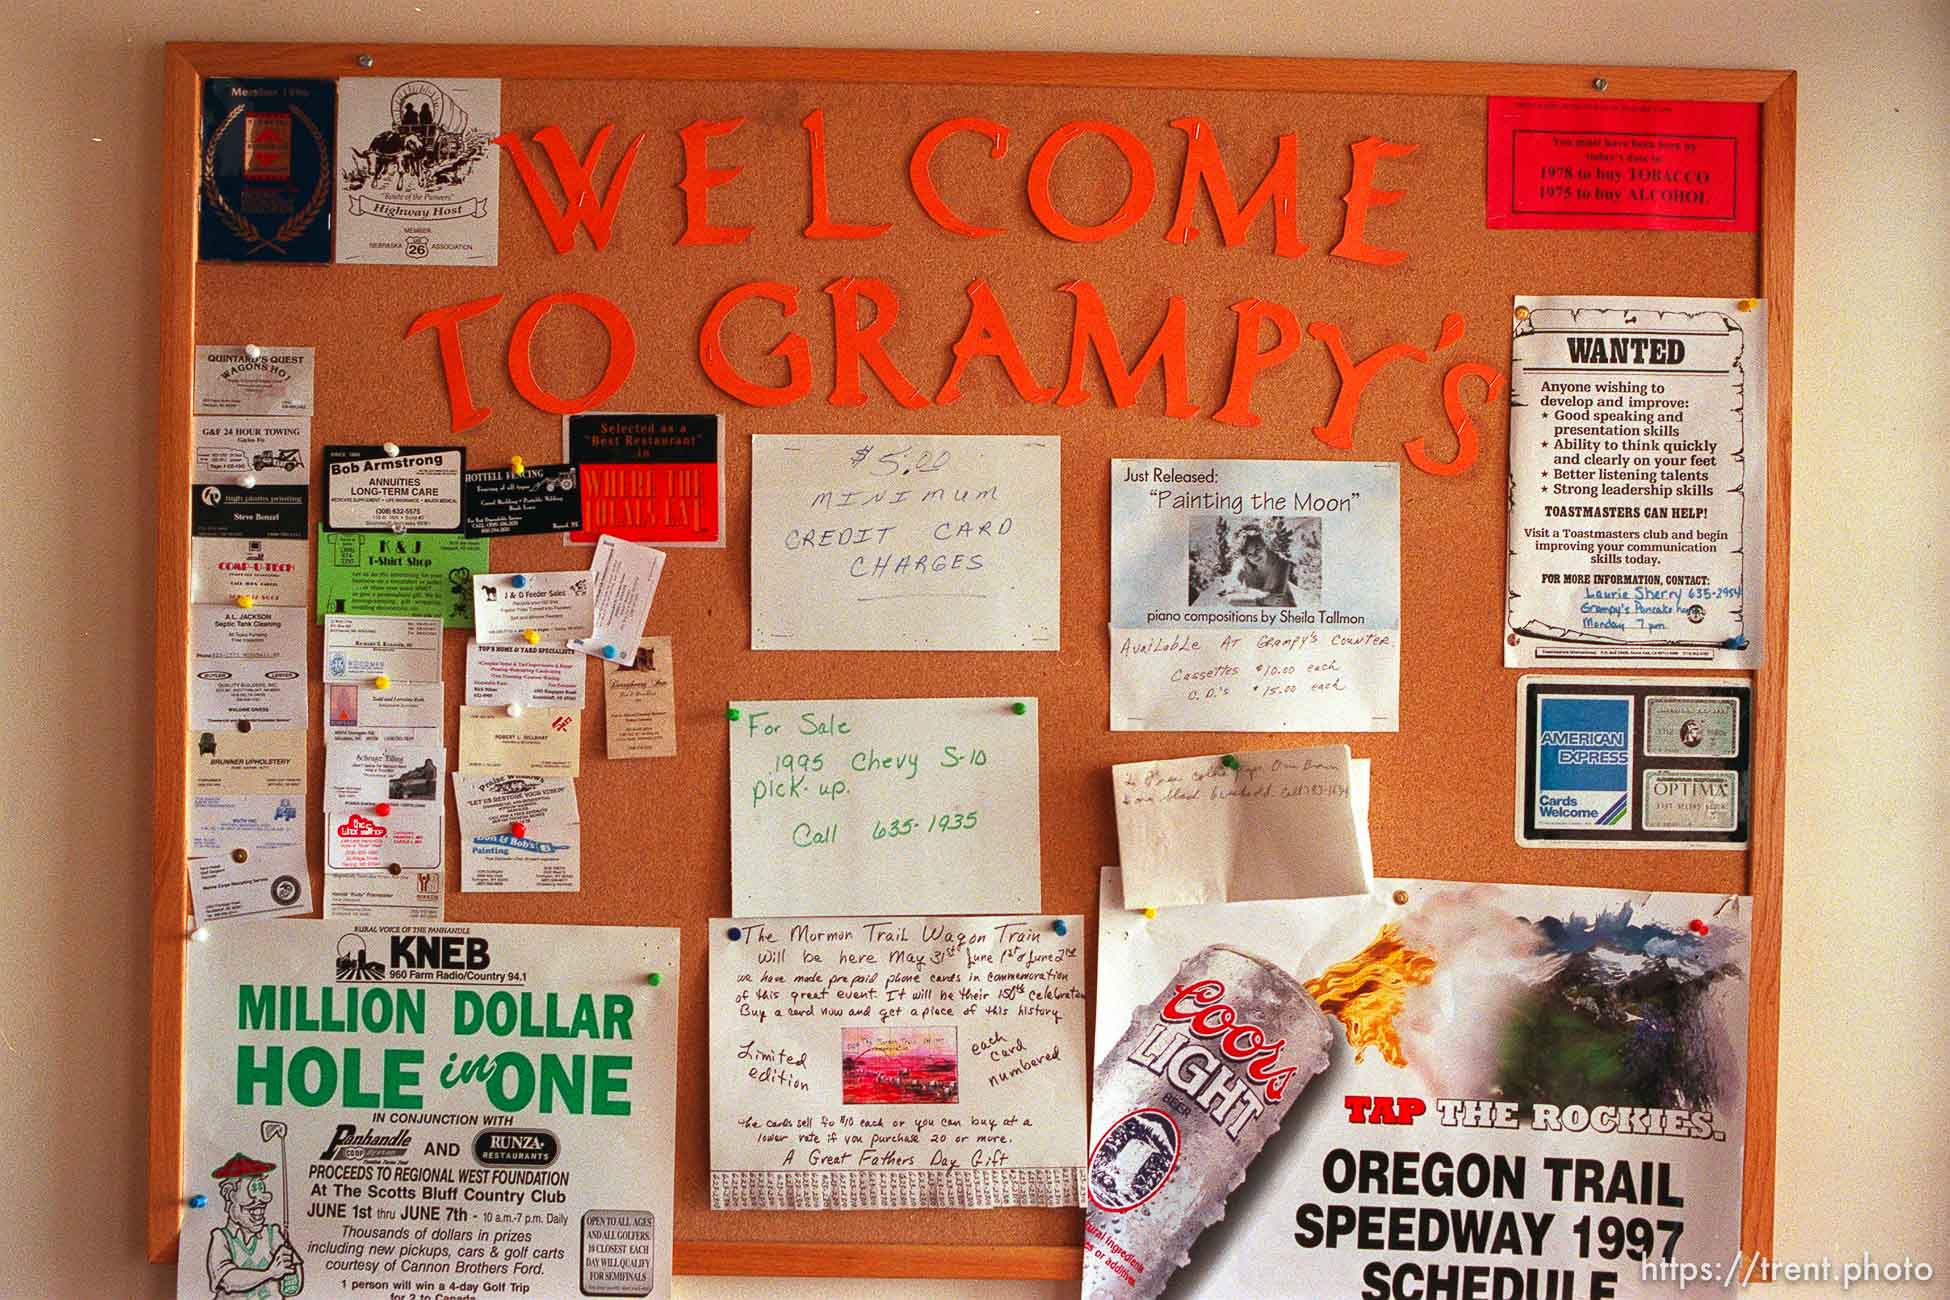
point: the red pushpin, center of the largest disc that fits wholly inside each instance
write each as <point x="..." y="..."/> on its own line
<point x="383" y="809"/>
<point x="1697" y="926"/>
<point x="519" y="830"/>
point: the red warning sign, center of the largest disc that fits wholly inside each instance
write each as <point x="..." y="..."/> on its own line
<point x="1580" y="164"/>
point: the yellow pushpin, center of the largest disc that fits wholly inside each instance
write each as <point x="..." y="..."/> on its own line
<point x="1523" y="313"/>
<point x="245" y="602"/>
<point x="518" y="465"/>
<point x="1150" y="913"/>
<point x="531" y="636"/>
<point x="1748" y="304"/>
<point x="381" y="682"/>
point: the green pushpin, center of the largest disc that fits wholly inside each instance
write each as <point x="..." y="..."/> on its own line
<point x="1018" y="708"/>
<point x="655" y="979"/>
<point x="732" y="715"/>
<point x="1231" y="761"/>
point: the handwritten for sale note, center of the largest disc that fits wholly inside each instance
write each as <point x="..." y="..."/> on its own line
<point x="860" y="806"/>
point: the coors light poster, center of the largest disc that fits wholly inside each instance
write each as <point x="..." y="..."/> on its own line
<point x="1439" y="1089"/>
<point x="415" y="1110"/>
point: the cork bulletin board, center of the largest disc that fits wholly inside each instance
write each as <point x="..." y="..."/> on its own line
<point x="656" y="847"/>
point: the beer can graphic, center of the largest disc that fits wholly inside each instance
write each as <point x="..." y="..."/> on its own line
<point x="1181" y="1104"/>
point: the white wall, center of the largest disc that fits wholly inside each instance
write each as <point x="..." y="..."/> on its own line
<point x="1863" y="1146"/>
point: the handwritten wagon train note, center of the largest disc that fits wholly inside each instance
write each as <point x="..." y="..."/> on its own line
<point x="1274" y="824"/>
<point x="1638" y="477"/>
<point x="905" y="543"/>
<point x="1255" y="595"/>
<point x="847" y="806"/>
<point x="896" y="1062"/>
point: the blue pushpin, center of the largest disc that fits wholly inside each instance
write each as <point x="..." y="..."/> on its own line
<point x="734" y="934"/>
<point x="519" y="581"/>
<point x="198" y="1201"/>
<point x="609" y="652"/>
<point x="1736" y="642"/>
<point x="1060" y="925"/>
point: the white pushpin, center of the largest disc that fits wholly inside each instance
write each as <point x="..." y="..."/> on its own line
<point x="201" y="934"/>
<point x="390" y="448"/>
<point x="253" y="351"/>
<point x="399" y="529"/>
<point x="247" y="481"/>
<point x="514" y="708"/>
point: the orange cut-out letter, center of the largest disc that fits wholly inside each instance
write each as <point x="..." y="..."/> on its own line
<point x="987" y="335"/>
<point x="1465" y="428"/>
<point x="1339" y="429"/>
<point x="1137" y="199"/>
<point x="462" y="414"/>
<point x="822" y="226"/>
<point x="1280" y="187"/>
<point x="710" y="348"/>
<point x="1092" y="332"/>
<point x="700" y="178"/>
<point x="1248" y="360"/>
<point x="922" y="179"/>
<point x="581" y="207"/>
<point x="622" y="352"/>
<point x="1362" y="195"/>
<point x="854" y="342"/>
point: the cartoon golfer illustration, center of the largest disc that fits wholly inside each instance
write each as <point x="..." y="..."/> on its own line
<point x="249" y="1254"/>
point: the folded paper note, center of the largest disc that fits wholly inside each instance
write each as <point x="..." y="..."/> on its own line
<point x="1264" y="824"/>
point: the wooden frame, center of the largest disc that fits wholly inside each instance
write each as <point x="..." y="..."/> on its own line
<point x="185" y="67"/>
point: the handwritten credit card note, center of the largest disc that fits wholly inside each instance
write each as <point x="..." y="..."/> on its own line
<point x="1275" y="824"/>
<point x="846" y="806"/>
<point x="865" y="543"/>
<point x="1255" y="595"/>
<point x="897" y="1063"/>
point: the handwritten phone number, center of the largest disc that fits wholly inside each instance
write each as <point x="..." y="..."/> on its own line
<point x="937" y="823"/>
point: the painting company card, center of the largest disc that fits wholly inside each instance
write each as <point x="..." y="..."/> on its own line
<point x="1255" y="595"/>
<point x="640" y="704"/>
<point x="555" y="605"/>
<point x="248" y="665"/>
<point x="518" y="833"/>
<point x="909" y="543"/>
<point x="265" y="185"/>
<point x="419" y="172"/>
<point x="417" y="490"/>
<point x="648" y="477"/>
<point x="358" y="650"/>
